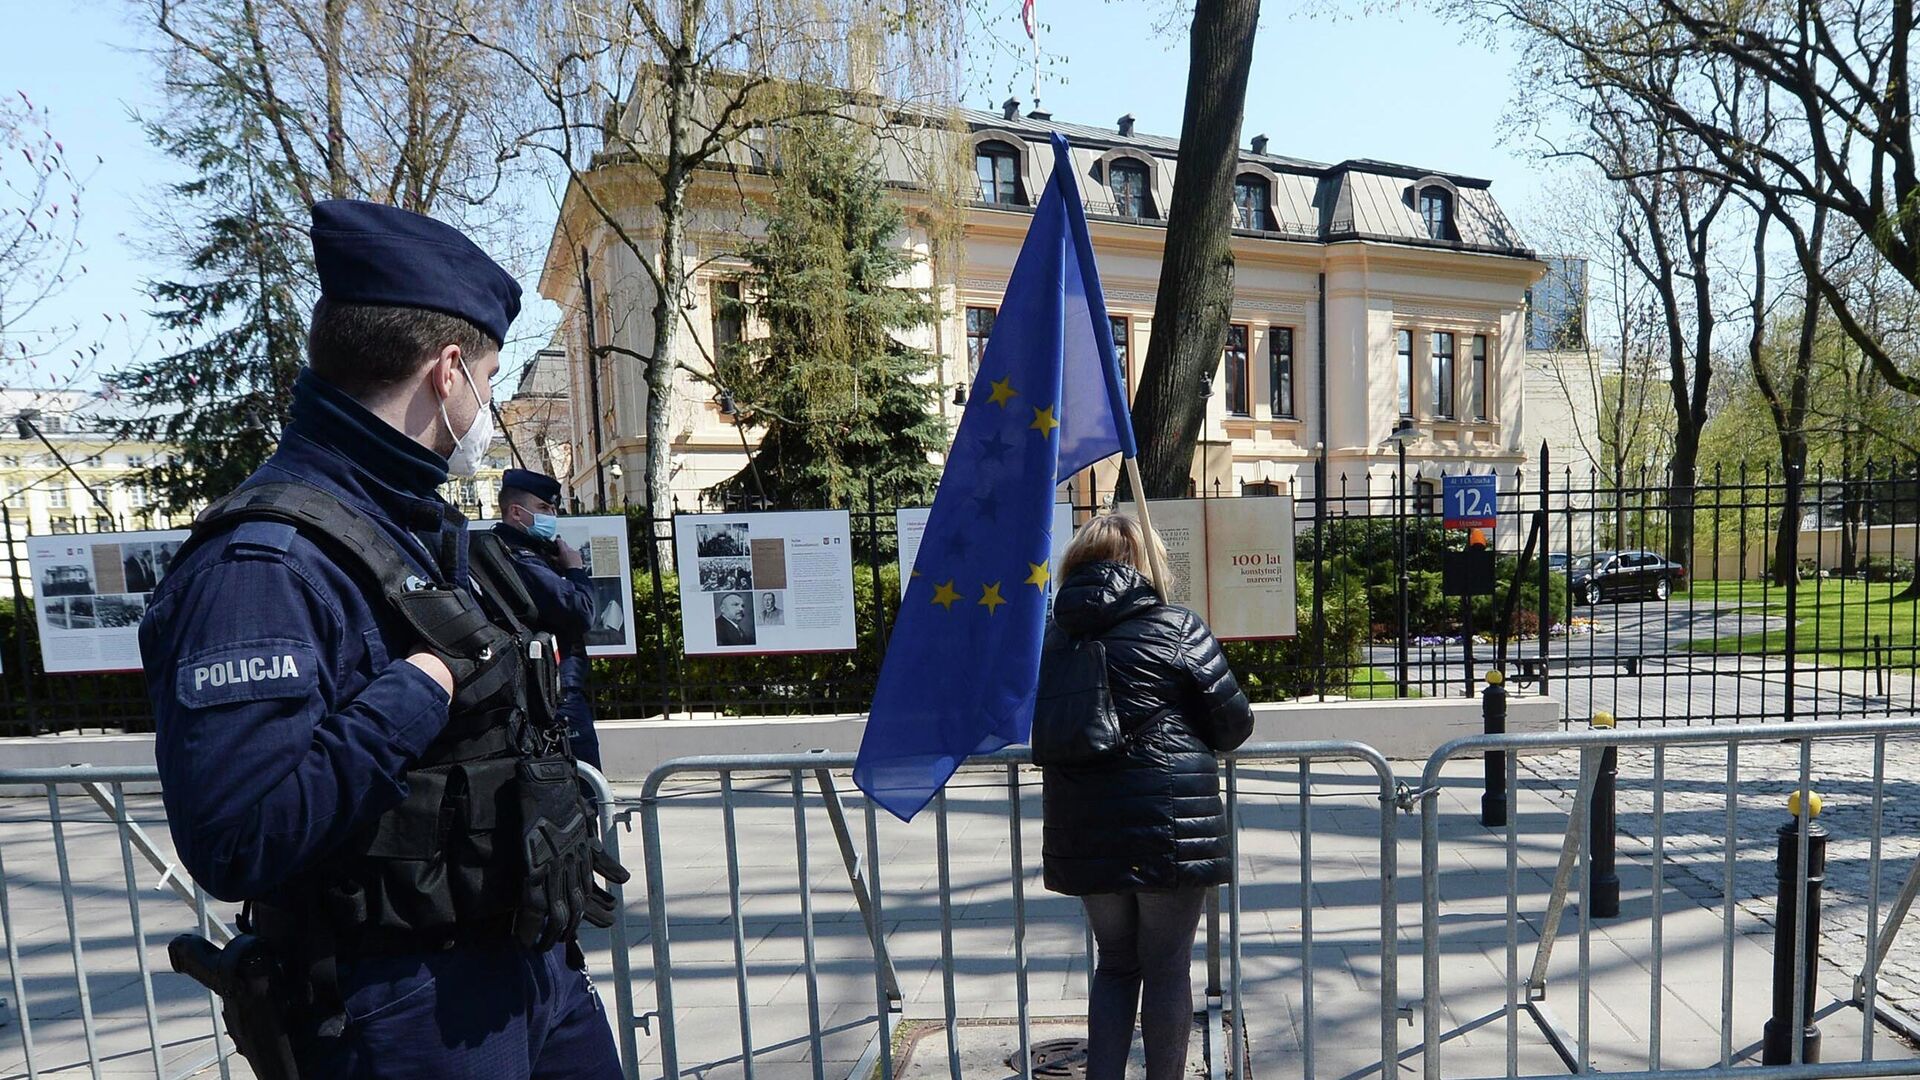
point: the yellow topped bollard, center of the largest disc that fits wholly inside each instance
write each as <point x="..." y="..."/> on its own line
<point x="1796" y="913"/>
<point x="1493" y="719"/>
<point x="1602" y="825"/>
<point x="1813" y="810"/>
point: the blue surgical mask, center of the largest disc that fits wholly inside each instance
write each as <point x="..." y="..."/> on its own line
<point x="545" y="526"/>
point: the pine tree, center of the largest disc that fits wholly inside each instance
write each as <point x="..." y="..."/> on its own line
<point x="237" y="319"/>
<point x="839" y="399"/>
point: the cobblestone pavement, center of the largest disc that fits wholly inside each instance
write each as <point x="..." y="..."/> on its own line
<point x="1697" y="795"/>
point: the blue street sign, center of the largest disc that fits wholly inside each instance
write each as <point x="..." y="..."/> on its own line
<point x="1468" y="502"/>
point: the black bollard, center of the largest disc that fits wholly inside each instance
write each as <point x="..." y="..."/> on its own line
<point x="1603" y="879"/>
<point x="1777" y="1043"/>
<point x="1493" y="714"/>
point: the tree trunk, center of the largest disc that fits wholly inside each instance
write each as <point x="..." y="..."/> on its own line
<point x="670" y="298"/>
<point x="1195" y="299"/>
<point x="339" y="184"/>
<point x="1786" y="546"/>
<point x="1684" y="473"/>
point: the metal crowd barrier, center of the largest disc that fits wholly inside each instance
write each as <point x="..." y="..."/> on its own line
<point x="105" y="985"/>
<point x="81" y="935"/>
<point x="1574" y="874"/>
<point x="1226" y="1050"/>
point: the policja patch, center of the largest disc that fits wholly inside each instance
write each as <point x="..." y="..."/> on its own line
<point x="246" y="671"/>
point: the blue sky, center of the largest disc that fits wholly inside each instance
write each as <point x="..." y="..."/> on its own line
<point x="1403" y="87"/>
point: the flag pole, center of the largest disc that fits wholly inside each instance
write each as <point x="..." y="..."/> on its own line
<point x="1162" y="577"/>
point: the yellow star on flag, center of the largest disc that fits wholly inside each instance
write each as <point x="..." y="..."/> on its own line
<point x="1043" y="421"/>
<point x="945" y="596"/>
<point x="990" y="596"/>
<point x="1003" y="391"/>
<point x="1038" y="576"/>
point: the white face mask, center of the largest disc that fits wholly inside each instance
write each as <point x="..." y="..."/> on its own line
<point x="471" y="448"/>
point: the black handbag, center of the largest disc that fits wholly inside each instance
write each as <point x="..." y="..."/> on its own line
<point x="1074" y="722"/>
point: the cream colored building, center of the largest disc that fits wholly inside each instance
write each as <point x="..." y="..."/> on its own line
<point x="1365" y="293"/>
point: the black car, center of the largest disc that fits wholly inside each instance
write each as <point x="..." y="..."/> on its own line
<point x="1619" y="575"/>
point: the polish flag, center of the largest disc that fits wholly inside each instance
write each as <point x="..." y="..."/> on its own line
<point x="1026" y="16"/>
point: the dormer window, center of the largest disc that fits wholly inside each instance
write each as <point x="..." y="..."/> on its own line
<point x="1250" y="202"/>
<point x="998" y="166"/>
<point x="1436" y="210"/>
<point x="1128" y="181"/>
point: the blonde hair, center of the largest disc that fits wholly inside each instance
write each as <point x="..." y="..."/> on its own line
<point x="1117" y="538"/>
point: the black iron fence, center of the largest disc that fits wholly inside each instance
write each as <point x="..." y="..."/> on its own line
<point x="1661" y="603"/>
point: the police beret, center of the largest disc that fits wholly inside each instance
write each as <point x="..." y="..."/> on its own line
<point x="367" y="253"/>
<point x="538" y="485"/>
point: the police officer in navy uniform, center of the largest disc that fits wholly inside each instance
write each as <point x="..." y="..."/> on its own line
<point x="556" y="578"/>
<point x="355" y="728"/>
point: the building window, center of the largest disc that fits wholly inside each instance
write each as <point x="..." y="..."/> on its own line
<point x="1250" y="202"/>
<point x="137" y="496"/>
<point x="757" y="147"/>
<point x="1121" y="342"/>
<point x="1405" y="350"/>
<point x="1128" y="179"/>
<point x="57" y="497"/>
<point x="1443" y="374"/>
<point x="1481" y="389"/>
<point x="1423" y="497"/>
<point x="62" y="525"/>
<point x="729" y="317"/>
<point x="998" y="167"/>
<point x="979" y="329"/>
<point x="1239" y="402"/>
<point x="1260" y="488"/>
<point x="1436" y="209"/>
<point x="1280" y="370"/>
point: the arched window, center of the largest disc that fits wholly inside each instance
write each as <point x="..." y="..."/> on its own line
<point x="998" y="166"/>
<point x="1128" y="180"/>
<point x="1436" y="209"/>
<point x="1250" y="202"/>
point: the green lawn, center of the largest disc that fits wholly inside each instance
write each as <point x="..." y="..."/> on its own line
<point x="1838" y="621"/>
<point x="1374" y="683"/>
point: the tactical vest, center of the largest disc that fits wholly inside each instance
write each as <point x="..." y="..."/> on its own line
<point x="450" y="862"/>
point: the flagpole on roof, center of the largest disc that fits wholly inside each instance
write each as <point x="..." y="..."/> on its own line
<point x="1028" y="18"/>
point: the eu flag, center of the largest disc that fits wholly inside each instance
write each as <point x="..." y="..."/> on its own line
<point x="1047" y="402"/>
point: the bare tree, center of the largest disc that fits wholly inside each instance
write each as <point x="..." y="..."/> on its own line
<point x="41" y="253"/>
<point x="1836" y="77"/>
<point x="635" y="99"/>
<point x="274" y="105"/>
<point x="370" y="99"/>
<point x="1611" y="364"/>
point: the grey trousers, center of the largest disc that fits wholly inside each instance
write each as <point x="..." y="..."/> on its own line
<point x="1144" y="941"/>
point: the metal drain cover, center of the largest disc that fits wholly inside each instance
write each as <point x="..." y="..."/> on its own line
<point x="1056" y="1059"/>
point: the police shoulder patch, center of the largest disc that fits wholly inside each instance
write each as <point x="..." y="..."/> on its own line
<point x="258" y="670"/>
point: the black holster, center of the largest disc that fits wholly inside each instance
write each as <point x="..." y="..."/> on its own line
<point x="246" y="977"/>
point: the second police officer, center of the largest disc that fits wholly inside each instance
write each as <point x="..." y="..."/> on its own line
<point x="555" y="576"/>
<point x="354" y="713"/>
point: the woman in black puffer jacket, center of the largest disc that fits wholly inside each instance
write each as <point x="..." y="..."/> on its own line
<point x="1141" y="835"/>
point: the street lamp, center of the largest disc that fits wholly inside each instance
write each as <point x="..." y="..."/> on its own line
<point x="1403" y="433"/>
